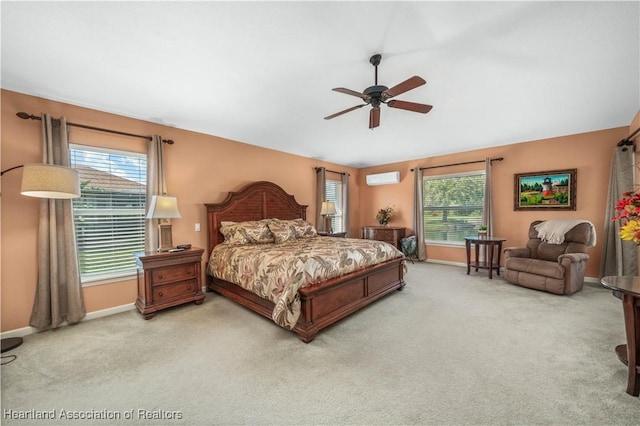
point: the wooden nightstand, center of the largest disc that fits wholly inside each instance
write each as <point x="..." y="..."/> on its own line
<point x="333" y="234"/>
<point x="389" y="234"/>
<point x="168" y="279"/>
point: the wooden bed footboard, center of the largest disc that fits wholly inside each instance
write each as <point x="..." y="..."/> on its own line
<point x="325" y="303"/>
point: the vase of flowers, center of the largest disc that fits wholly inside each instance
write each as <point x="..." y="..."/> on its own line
<point x="628" y="209"/>
<point x="384" y="215"/>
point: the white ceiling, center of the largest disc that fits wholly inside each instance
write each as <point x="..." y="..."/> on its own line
<point x="262" y="72"/>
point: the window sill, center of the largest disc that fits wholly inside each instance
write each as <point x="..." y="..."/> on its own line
<point x="445" y="243"/>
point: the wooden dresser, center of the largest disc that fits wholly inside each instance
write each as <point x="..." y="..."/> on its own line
<point x="168" y="279"/>
<point x="388" y="234"/>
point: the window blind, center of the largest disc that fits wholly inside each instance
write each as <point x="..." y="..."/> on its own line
<point x="110" y="213"/>
<point x="333" y="193"/>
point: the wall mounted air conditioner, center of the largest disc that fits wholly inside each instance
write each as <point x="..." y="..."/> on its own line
<point x="383" y="178"/>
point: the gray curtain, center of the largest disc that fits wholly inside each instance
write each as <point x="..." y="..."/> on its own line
<point x="58" y="295"/>
<point x="618" y="257"/>
<point x="156" y="185"/>
<point x="345" y="203"/>
<point x="418" y="215"/>
<point x="487" y="211"/>
<point x="321" y="196"/>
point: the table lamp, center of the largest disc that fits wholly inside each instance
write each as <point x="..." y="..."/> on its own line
<point x="163" y="207"/>
<point x="328" y="210"/>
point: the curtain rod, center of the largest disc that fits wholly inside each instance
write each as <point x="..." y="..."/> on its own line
<point x="459" y="164"/>
<point x="628" y="139"/>
<point x="332" y="171"/>
<point x="26" y="116"/>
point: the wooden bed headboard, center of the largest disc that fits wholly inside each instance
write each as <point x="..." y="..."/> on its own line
<point x="258" y="200"/>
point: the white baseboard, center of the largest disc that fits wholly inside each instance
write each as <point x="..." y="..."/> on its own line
<point x="459" y="264"/>
<point x="24" y="331"/>
<point x="446" y="262"/>
<point x="109" y="311"/>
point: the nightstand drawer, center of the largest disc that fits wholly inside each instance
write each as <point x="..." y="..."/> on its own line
<point x="176" y="290"/>
<point x="386" y="235"/>
<point x="174" y="273"/>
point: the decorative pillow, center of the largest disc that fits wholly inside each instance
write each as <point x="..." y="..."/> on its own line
<point x="282" y="230"/>
<point x="249" y="232"/>
<point x="303" y="228"/>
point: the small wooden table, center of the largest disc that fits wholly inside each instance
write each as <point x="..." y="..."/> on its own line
<point x="491" y="243"/>
<point x="629" y="354"/>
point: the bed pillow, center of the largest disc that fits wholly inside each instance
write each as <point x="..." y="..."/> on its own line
<point x="285" y="230"/>
<point x="249" y="232"/>
<point x="303" y="228"/>
<point x="282" y="231"/>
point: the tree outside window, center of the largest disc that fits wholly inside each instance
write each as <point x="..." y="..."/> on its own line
<point x="452" y="206"/>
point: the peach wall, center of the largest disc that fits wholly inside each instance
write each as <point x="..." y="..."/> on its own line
<point x="590" y="153"/>
<point x="200" y="169"/>
<point x="203" y="168"/>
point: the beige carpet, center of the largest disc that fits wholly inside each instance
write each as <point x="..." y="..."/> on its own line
<point x="449" y="349"/>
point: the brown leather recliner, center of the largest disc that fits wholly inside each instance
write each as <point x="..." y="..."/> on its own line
<point x="555" y="268"/>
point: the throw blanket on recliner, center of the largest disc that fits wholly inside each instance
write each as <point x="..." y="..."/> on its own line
<point x="552" y="231"/>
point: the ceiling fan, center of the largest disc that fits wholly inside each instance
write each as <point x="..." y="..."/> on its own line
<point x="377" y="94"/>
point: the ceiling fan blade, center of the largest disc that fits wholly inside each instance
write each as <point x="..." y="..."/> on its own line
<point x="350" y="92"/>
<point x="405" y="86"/>
<point x="410" y="106"/>
<point x="374" y="117"/>
<point x="343" y="112"/>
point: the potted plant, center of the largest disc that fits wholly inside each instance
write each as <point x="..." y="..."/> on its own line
<point x="482" y="231"/>
<point x="384" y="216"/>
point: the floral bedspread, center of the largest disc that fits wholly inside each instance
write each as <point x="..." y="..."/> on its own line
<point x="276" y="271"/>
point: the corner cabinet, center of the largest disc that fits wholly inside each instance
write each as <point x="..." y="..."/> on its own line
<point x="388" y="234"/>
<point x="168" y="279"/>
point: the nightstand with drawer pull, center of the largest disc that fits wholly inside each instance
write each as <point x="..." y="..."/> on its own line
<point x="168" y="279"/>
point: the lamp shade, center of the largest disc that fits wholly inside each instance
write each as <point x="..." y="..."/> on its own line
<point x="50" y="181"/>
<point x="163" y="207"/>
<point x="328" y="207"/>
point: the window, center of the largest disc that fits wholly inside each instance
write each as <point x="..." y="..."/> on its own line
<point x="333" y="192"/>
<point x="452" y="206"/>
<point x="110" y="213"/>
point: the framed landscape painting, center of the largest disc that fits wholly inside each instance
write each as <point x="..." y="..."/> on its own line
<point x="551" y="190"/>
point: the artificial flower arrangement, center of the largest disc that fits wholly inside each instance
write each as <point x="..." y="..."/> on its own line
<point x="384" y="215"/>
<point x="629" y="210"/>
